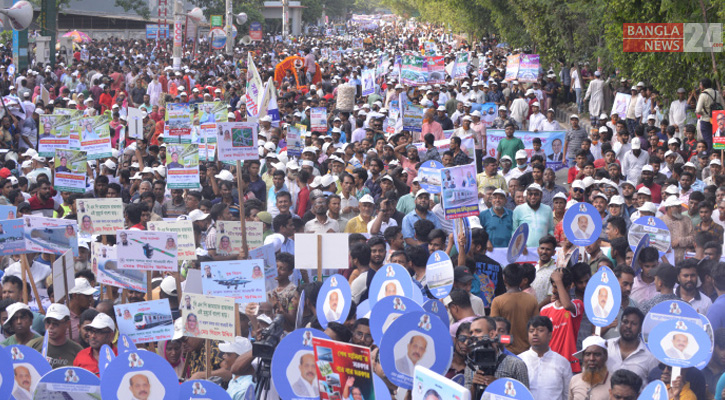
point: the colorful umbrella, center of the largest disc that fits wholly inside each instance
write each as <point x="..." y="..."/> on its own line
<point x="78" y="36"/>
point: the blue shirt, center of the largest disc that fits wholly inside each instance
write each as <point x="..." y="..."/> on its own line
<point x="716" y="314"/>
<point x="410" y="220"/>
<point x="499" y="228"/>
<point x="541" y="222"/>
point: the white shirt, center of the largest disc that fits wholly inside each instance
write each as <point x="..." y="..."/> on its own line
<point x="549" y="375"/>
<point x="383" y="226"/>
<point x="678" y="114"/>
<point x="536" y="122"/>
<point x="38" y="270"/>
<point x="358" y="286"/>
<point x="547" y="126"/>
<point x="641" y="361"/>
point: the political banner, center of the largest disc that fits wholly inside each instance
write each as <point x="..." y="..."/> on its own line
<point x="268" y="103"/>
<point x="63" y="274"/>
<point x="147" y="321"/>
<point x="54" y="131"/>
<point x="28" y="366"/>
<point x="344" y="370"/>
<point x="207" y="317"/>
<point x="335" y="250"/>
<point x="211" y="112"/>
<point x="178" y="120"/>
<point x="383" y="63"/>
<point x="357" y="43"/>
<point x="242" y="280"/>
<point x="104" y="264"/>
<point x="294" y="368"/>
<point x="255" y="86"/>
<point x="659" y="235"/>
<point x="229" y="236"/>
<point x="602" y="297"/>
<point x="552" y="143"/>
<point x="489" y="112"/>
<point x="50" y="235"/>
<point x="460" y="66"/>
<point x="318" y="119"/>
<point x="139" y="374"/>
<point x="397" y="65"/>
<point x="439" y="274"/>
<point x="7" y="212"/>
<point x="203" y="389"/>
<point x="95" y="137"/>
<point x="333" y="301"/>
<point x="267" y="255"/>
<point x="459" y="191"/>
<point x="12" y="237"/>
<point x="68" y="383"/>
<point x="582" y="224"/>
<point x="70" y="171"/>
<point x="387" y="310"/>
<point x="679" y="343"/>
<point x="413" y="118"/>
<point x="718" y="126"/>
<point x="237" y="141"/>
<point x="182" y="166"/>
<point x="184" y="233"/>
<point x="255" y="31"/>
<point x="429" y="174"/>
<point x="295" y="144"/>
<point x="414" y="70"/>
<point x="436" y="70"/>
<point x="528" y="68"/>
<point x="147" y="250"/>
<point x="428" y="385"/>
<point x="512" y="67"/>
<point x="368" y="82"/>
<point x="467" y="146"/>
<point x="415" y="339"/>
<point x="621" y="102"/>
<point x="99" y="217"/>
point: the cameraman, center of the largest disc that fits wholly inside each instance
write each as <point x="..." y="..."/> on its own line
<point x="505" y="366"/>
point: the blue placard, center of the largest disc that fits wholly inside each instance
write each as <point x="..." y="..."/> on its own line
<point x="388" y="310"/>
<point x="643" y="242"/>
<point x="429" y="385"/>
<point x="707" y="326"/>
<point x="667" y="311"/>
<point x="679" y="343"/>
<point x="517" y="243"/>
<point x="201" y="389"/>
<point x="416" y="338"/>
<point x="125" y="344"/>
<point x="106" y="356"/>
<point x="294" y="367"/>
<point x="656" y="390"/>
<point x="430" y="176"/>
<point x="719" y="388"/>
<point x="44" y="350"/>
<point x="655" y="228"/>
<point x="390" y="280"/>
<point x="12" y="239"/>
<point x="602" y="297"/>
<point x="582" y="224"/>
<point x="507" y="388"/>
<point x="437" y="308"/>
<point x="28" y="366"/>
<point x="333" y="302"/>
<point x="381" y="389"/>
<point x="8" y="212"/>
<point x="6" y="373"/>
<point x="574" y="258"/>
<point x="418" y="296"/>
<point x="139" y="373"/>
<point x="439" y="274"/>
<point x="363" y="310"/>
<point x="68" y="382"/>
<point x="300" y="310"/>
<point x="463" y="224"/>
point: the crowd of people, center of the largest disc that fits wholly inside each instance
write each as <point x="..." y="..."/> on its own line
<point x="361" y="177"/>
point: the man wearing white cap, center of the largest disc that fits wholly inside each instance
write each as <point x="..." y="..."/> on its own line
<point x="20" y="320"/>
<point x="81" y="299"/>
<point x="647" y="176"/>
<point x="595" y="95"/>
<point x="100" y="331"/>
<point x="594" y="381"/>
<point x="359" y="224"/>
<point x="682" y="232"/>
<point x="242" y="381"/>
<point x="536" y="119"/>
<point x="539" y="216"/>
<point x="61" y="350"/>
<point x="422" y="211"/>
<point x="634" y="160"/>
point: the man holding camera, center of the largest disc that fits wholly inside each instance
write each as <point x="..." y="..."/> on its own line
<point x="486" y="346"/>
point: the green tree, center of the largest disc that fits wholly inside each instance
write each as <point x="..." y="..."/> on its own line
<point x="141" y="7"/>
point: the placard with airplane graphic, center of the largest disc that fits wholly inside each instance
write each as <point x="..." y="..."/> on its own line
<point x="147" y="250"/>
<point x="242" y="280"/>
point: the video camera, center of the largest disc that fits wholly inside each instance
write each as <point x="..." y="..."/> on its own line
<point x="271" y="335"/>
<point x="483" y="356"/>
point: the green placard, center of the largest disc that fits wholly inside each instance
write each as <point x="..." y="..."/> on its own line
<point x="216" y="20"/>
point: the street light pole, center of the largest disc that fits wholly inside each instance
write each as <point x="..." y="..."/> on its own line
<point x="285" y="23"/>
<point x="178" y="34"/>
<point x="228" y="28"/>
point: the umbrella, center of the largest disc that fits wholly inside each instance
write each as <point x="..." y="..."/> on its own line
<point x="78" y="36"/>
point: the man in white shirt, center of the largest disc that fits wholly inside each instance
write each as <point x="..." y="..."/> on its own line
<point x="549" y="372"/>
<point x="678" y="112"/>
<point x="306" y="384"/>
<point x="628" y="351"/>
<point x="536" y="120"/>
<point x="520" y="109"/>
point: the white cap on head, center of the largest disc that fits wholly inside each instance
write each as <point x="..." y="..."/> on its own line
<point x="647" y="168"/>
<point x="14" y="309"/>
<point x="168" y="284"/>
<point x="421" y="192"/>
<point x="240" y="345"/>
<point x="82" y="286"/>
<point x="645" y="191"/>
<point x="57" y="311"/>
<point x="198" y="215"/>
<point x="616" y="200"/>
<point x="649" y="207"/>
<point x="593" y="340"/>
<point x="521" y="154"/>
<point x="225" y="176"/>
<point x="636" y="144"/>
<point x="102" y="321"/>
<point x="672" y="201"/>
<point x="367" y="199"/>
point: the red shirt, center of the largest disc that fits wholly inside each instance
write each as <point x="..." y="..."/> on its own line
<point x="84" y="359"/>
<point x="573" y="171"/>
<point x="302" y="199"/>
<point x="37" y="205"/>
<point x="656" y="192"/>
<point x="566" y="328"/>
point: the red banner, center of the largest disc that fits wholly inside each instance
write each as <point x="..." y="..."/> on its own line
<point x="654" y="38"/>
<point x="343" y="370"/>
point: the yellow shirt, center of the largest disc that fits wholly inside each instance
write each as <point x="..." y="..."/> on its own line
<point x="356" y="225"/>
